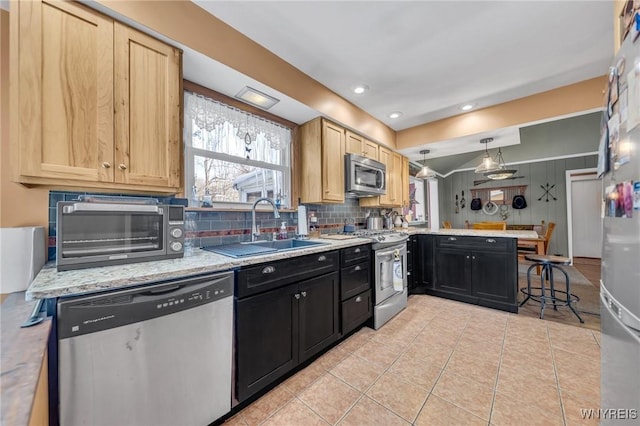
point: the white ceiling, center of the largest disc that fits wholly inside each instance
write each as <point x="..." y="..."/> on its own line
<point x="428" y="58"/>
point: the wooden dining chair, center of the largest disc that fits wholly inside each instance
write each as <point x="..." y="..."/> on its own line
<point x="529" y="247"/>
<point x="446" y="224"/>
<point x="490" y="225"/>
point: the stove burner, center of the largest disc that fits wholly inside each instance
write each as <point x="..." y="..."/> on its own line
<point x="380" y="235"/>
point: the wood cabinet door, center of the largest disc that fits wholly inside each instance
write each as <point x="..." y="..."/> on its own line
<point x="404" y="173"/>
<point x="353" y="143"/>
<point x="494" y="276"/>
<point x="318" y="314"/>
<point x="332" y="162"/>
<point x="147" y="110"/>
<point x="423" y="257"/>
<point x="452" y="271"/>
<point x="266" y="339"/>
<point x="64" y="74"/>
<point x="386" y="158"/>
<point x="370" y="149"/>
<point x="397" y="180"/>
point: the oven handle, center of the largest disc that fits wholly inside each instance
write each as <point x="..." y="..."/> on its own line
<point x="391" y="250"/>
<point x="107" y="207"/>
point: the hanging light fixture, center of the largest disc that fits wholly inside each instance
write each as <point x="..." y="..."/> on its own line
<point x="425" y="172"/>
<point x="488" y="164"/>
<point x="501" y="172"/>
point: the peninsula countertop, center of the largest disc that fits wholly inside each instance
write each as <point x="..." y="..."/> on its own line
<point x="50" y="283"/>
<point x="475" y="232"/>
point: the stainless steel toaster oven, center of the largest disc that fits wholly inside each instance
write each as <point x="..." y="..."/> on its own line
<point x="98" y="234"/>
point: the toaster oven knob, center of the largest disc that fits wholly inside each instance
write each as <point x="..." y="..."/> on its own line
<point x="176" y="232"/>
<point x="176" y="246"/>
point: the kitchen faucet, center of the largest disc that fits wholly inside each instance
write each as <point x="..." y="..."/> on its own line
<point x="255" y="232"/>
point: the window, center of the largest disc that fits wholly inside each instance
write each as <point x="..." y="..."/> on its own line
<point x="233" y="157"/>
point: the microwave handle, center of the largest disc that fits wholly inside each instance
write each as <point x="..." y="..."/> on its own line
<point x="106" y="207"/>
<point x="381" y="179"/>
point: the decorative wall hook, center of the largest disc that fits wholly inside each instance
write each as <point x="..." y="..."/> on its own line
<point x="547" y="188"/>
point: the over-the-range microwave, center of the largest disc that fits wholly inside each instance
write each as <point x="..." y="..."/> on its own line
<point x="99" y="234"/>
<point x="364" y="177"/>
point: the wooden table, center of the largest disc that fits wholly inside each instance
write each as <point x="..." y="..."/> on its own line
<point x="537" y="242"/>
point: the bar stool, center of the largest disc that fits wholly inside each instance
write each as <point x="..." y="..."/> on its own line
<point x="548" y="264"/>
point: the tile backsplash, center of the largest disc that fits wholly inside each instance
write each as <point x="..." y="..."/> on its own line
<point x="207" y="227"/>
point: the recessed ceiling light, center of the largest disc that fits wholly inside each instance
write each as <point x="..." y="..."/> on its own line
<point x="360" y="88"/>
<point x="467" y="107"/>
<point x="256" y="98"/>
<point x="395" y="114"/>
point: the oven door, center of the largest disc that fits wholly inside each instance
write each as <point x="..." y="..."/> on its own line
<point x="384" y="259"/>
<point x="94" y="234"/>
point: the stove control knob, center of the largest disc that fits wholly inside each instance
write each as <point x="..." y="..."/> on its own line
<point x="381" y="238"/>
<point x="176" y="246"/>
<point x="176" y="232"/>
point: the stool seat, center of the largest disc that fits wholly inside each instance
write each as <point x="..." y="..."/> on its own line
<point x="548" y="259"/>
<point x="544" y="295"/>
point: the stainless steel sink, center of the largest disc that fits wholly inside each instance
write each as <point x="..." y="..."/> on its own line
<point x="258" y="248"/>
<point x="281" y="245"/>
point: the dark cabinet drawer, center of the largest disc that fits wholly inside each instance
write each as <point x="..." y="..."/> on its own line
<point x="476" y="243"/>
<point x="356" y="311"/>
<point x="271" y="275"/>
<point x="354" y="280"/>
<point x="357" y="254"/>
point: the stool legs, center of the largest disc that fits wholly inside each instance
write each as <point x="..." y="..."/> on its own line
<point x="566" y="277"/>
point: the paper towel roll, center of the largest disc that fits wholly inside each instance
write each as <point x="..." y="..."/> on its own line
<point x="22" y="256"/>
<point x="302" y="220"/>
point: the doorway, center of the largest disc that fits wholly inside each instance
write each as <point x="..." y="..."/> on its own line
<point x="584" y="206"/>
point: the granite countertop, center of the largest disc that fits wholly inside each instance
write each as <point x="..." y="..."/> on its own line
<point x="22" y="352"/>
<point x="475" y="232"/>
<point x="51" y="283"/>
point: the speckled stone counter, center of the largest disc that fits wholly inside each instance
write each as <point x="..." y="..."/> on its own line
<point x="475" y="232"/>
<point x="22" y="352"/>
<point x="51" y="283"/>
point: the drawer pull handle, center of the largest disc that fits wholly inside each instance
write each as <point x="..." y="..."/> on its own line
<point x="322" y="258"/>
<point x="268" y="270"/>
<point x="452" y="239"/>
<point x="304" y="294"/>
<point x="357" y="250"/>
<point x="491" y="240"/>
<point x="358" y="299"/>
<point x="357" y="268"/>
<point x="297" y="295"/>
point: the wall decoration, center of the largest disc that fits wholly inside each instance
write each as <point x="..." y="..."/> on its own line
<point x="504" y="211"/>
<point x="462" y="200"/>
<point x="547" y="192"/>
<point x="457" y="210"/>
<point x="490" y="208"/>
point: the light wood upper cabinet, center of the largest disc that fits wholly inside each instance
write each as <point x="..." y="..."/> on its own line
<point x="147" y="93"/>
<point x="71" y="68"/>
<point x="370" y="149"/>
<point x="322" y="162"/>
<point x="393" y="197"/>
<point x="64" y="75"/>
<point x="356" y="144"/>
<point x="405" y="182"/>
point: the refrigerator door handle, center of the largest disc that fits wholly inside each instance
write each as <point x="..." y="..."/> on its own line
<point x="625" y="316"/>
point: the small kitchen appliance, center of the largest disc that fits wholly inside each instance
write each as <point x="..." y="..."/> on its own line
<point x="364" y="177"/>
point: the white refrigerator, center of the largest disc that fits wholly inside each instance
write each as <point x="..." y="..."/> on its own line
<point x="619" y="164"/>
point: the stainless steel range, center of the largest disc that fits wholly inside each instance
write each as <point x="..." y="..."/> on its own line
<point x="390" y="253"/>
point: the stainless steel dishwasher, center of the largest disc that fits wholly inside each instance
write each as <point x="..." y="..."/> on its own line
<point x="154" y="355"/>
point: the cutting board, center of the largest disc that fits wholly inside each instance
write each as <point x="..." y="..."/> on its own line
<point x="337" y="236"/>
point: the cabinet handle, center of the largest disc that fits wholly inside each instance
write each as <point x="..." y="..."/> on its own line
<point x="322" y="258"/>
<point x="268" y="269"/>
<point x="452" y="239"/>
<point x="467" y="257"/>
<point x="491" y="240"/>
<point x="473" y="257"/>
<point x="122" y="166"/>
<point x="357" y="268"/>
<point x="357" y="250"/>
<point x="358" y="299"/>
<point x="304" y="294"/>
<point x="106" y="164"/>
<point x="408" y="273"/>
<point x="297" y="295"/>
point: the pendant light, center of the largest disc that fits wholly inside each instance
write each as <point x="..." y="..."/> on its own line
<point x="488" y="164"/>
<point x="425" y="172"/>
<point x="501" y="172"/>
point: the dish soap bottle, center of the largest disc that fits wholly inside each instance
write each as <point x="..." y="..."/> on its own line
<point x="283" y="231"/>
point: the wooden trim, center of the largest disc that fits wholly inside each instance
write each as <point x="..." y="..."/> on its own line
<point x="216" y="96"/>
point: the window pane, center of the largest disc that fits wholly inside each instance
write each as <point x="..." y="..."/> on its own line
<point x="235" y="182"/>
<point x="239" y="143"/>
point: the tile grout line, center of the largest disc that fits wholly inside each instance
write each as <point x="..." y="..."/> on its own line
<point x="495" y="388"/>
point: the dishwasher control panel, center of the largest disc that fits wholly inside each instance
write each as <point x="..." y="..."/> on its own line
<point x="89" y="314"/>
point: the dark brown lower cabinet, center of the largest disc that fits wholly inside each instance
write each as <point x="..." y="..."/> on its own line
<point x="279" y="329"/>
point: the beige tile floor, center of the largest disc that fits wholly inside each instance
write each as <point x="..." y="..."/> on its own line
<point x="441" y="362"/>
